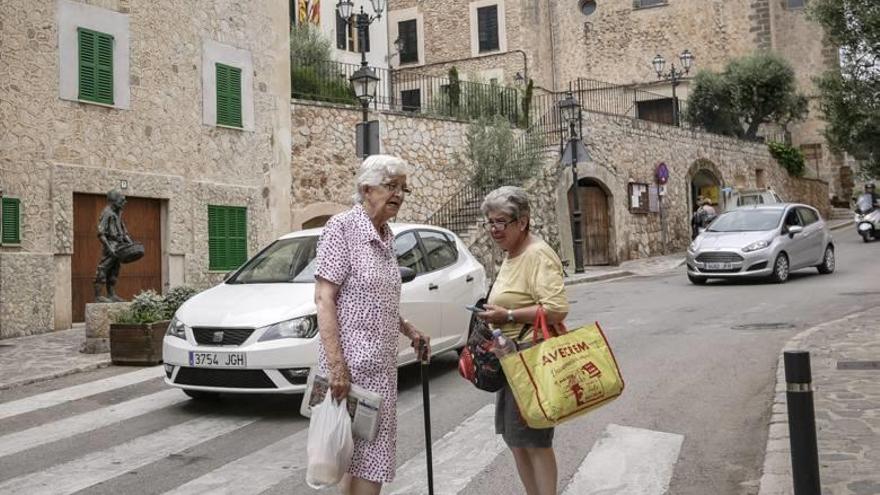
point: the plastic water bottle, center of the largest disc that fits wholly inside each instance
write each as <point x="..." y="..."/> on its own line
<point x="503" y="346"/>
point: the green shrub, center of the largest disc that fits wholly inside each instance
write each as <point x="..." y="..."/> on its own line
<point x="318" y="83"/>
<point x="150" y="307"/>
<point x="789" y="157"/>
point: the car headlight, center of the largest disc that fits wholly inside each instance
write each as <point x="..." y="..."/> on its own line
<point x="176" y="329"/>
<point x="756" y="246"/>
<point x="305" y="327"/>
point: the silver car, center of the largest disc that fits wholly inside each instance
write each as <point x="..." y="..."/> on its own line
<point x="761" y="241"/>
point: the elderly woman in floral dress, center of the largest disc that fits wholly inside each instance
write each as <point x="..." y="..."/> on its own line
<point x="357" y="292"/>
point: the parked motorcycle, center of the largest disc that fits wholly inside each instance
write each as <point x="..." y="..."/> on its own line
<point x="867" y="218"/>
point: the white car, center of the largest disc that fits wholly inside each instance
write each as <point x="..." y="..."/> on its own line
<point x="257" y="332"/>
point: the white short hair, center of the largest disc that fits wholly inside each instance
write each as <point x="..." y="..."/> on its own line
<point x="510" y="200"/>
<point x="375" y="170"/>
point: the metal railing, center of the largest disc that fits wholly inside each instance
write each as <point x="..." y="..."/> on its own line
<point x="407" y="91"/>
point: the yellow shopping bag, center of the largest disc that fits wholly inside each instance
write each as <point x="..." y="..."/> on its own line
<point x="563" y="376"/>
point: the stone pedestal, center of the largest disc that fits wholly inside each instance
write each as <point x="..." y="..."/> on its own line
<point x="99" y="316"/>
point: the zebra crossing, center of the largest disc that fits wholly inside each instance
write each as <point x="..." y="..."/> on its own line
<point x="159" y="424"/>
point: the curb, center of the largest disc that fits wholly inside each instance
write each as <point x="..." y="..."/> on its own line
<point x="776" y="476"/>
<point x="599" y="278"/>
<point x="59" y="374"/>
<point x="841" y="225"/>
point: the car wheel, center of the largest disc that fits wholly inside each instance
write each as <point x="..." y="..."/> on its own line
<point x="781" y="269"/>
<point x="828" y="262"/>
<point x="201" y="395"/>
<point x="697" y="280"/>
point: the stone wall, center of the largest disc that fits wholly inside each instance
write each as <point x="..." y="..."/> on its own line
<point x="157" y="143"/>
<point x="324" y="162"/>
<point x="622" y="149"/>
<point x="26" y="298"/>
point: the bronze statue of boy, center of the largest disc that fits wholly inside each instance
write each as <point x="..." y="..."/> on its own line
<point x="113" y="235"/>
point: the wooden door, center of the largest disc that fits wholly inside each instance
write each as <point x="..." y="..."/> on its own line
<point x="142" y="217"/>
<point x="595" y="225"/>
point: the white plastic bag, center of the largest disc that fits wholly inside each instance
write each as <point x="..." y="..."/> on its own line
<point x="330" y="443"/>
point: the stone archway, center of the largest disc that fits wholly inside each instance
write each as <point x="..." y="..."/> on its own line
<point x="315" y="214"/>
<point x="705" y="179"/>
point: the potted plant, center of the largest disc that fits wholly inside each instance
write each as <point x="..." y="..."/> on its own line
<point x="136" y="336"/>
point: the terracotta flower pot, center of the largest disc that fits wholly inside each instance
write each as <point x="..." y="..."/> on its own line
<point x="137" y="344"/>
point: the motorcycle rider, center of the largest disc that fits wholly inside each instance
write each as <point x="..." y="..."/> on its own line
<point x="870" y="189"/>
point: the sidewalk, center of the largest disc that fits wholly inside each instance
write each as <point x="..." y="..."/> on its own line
<point x="847" y="404"/>
<point x="642" y="267"/>
<point x="42" y="357"/>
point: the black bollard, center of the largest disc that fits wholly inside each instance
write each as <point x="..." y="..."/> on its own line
<point x="801" y="423"/>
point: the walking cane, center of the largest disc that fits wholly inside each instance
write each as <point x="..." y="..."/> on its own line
<point x="426" y="402"/>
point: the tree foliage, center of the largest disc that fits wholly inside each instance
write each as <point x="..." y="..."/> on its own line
<point x="850" y="96"/>
<point x="308" y="45"/>
<point x="751" y="91"/>
<point x="497" y="156"/>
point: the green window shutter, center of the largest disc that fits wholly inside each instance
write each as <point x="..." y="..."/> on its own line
<point x="10" y="230"/>
<point x="95" y="66"/>
<point x="227" y="237"/>
<point x="228" y="95"/>
<point x="237" y="240"/>
<point x="216" y="238"/>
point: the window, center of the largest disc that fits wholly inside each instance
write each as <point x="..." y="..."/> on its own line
<point x="409" y="254"/>
<point x="228" y="95"/>
<point x="95" y="66"/>
<point x="10" y="227"/>
<point x="348" y="35"/>
<point x="760" y="178"/>
<point x="661" y="110"/>
<point x="792" y="218"/>
<point x="796" y="4"/>
<point x="642" y="4"/>
<point x="808" y="216"/>
<point x="408" y="34"/>
<point x="487" y="27"/>
<point x="441" y="250"/>
<point x="227" y="237"/>
<point x="411" y="100"/>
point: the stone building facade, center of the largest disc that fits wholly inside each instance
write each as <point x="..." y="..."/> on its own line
<point x="556" y="42"/>
<point x="156" y="137"/>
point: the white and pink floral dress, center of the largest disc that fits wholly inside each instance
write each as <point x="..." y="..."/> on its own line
<point x="353" y="255"/>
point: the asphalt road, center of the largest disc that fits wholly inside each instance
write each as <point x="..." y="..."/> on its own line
<point x="699" y="363"/>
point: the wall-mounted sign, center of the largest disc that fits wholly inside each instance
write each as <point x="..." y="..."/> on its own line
<point x="661" y="174"/>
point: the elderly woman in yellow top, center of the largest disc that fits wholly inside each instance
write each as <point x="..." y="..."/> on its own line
<point x="531" y="275"/>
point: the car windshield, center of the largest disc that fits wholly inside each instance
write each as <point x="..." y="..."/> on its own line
<point x="284" y="261"/>
<point x="747" y="221"/>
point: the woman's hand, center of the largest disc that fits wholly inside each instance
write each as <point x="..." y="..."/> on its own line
<point x="419" y="339"/>
<point x="340" y="381"/>
<point x="493" y="314"/>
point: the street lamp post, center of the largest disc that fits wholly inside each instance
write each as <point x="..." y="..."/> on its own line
<point x="364" y="80"/>
<point x="570" y="110"/>
<point x="674" y="76"/>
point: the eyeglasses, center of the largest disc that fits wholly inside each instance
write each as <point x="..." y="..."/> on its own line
<point x="497" y="224"/>
<point x="396" y="188"/>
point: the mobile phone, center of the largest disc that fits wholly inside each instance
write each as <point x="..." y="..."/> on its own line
<point x="475" y="308"/>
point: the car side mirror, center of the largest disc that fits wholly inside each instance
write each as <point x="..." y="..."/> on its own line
<point x="795" y="229"/>
<point x="407" y="274"/>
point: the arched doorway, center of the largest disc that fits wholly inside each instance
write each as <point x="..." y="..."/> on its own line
<point x="705" y="180"/>
<point x="595" y="203"/>
<point x="315" y="222"/>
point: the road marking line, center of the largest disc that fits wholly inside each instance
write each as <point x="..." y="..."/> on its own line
<point x="459" y="456"/>
<point x="267" y="467"/>
<point x="93" y="420"/>
<point x="627" y="460"/>
<point x="254" y="473"/>
<point x="49" y="399"/>
<point x="94" y="468"/>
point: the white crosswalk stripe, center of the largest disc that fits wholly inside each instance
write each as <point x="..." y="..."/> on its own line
<point x="457" y="457"/>
<point x="56" y="397"/>
<point x="630" y="461"/>
<point x="81" y="423"/>
<point x="103" y="465"/>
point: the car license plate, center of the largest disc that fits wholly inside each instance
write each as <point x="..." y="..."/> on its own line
<point x="217" y="359"/>
<point x="719" y="266"/>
